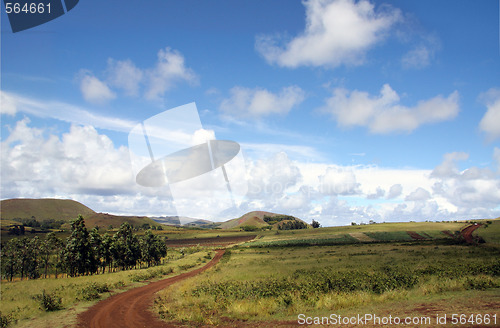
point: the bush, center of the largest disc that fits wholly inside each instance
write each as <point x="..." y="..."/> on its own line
<point x="48" y="302"/>
<point x="5" y="320"/>
<point x="92" y="292"/>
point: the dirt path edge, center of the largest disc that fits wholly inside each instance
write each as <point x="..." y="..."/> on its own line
<point x="132" y="308"/>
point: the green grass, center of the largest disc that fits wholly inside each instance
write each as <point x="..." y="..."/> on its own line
<point x="19" y="298"/>
<point x="276" y="283"/>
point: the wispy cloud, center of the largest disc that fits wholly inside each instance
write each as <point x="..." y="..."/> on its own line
<point x="65" y="112"/>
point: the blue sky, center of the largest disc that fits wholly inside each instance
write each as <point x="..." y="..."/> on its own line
<point x="344" y="110"/>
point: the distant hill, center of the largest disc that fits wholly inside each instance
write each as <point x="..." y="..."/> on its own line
<point x="65" y="210"/>
<point x="254" y="219"/>
<point x="43" y="209"/>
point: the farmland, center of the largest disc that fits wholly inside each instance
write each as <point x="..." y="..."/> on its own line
<point x="271" y="276"/>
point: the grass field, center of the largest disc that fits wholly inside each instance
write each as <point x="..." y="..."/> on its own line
<point x="20" y="299"/>
<point x="275" y="284"/>
<point x="283" y="273"/>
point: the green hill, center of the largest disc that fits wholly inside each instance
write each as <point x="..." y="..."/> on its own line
<point x="64" y="210"/>
<point x="255" y="219"/>
<point x="43" y="209"/>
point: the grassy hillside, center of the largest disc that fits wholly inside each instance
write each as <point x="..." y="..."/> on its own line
<point x="105" y="220"/>
<point x="255" y="219"/>
<point x="43" y="209"/>
<point x="64" y="210"/>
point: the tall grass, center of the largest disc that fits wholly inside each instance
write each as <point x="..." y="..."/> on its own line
<point x="279" y="282"/>
<point x="22" y="302"/>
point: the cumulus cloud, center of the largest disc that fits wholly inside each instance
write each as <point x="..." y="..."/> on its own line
<point x="419" y="195"/>
<point x="170" y="68"/>
<point x="94" y="90"/>
<point x="475" y="191"/>
<point x="379" y="193"/>
<point x="448" y="167"/>
<point x="125" y="75"/>
<point x="339" y="181"/>
<point x="81" y="162"/>
<point x="337" y="32"/>
<point x="395" y="191"/>
<point x="489" y="122"/>
<point x="258" y="102"/>
<point x="7" y="104"/>
<point x="384" y="114"/>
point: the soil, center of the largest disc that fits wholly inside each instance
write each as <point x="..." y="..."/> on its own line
<point x="131" y="308"/>
<point x="467" y="232"/>
<point x="215" y="241"/>
<point x="415" y="235"/>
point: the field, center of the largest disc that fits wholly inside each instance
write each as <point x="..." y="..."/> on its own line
<point x="268" y="278"/>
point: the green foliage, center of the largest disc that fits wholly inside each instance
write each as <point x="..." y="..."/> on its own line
<point x="249" y="228"/>
<point x="315" y="224"/>
<point x="48" y="302"/>
<point x="277" y="218"/>
<point x="79" y="255"/>
<point x="5" y="320"/>
<point x="150" y="274"/>
<point x="292" y="225"/>
<point x="92" y="291"/>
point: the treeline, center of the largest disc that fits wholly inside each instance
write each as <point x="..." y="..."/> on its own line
<point x="84" y="252"/>
<point x="292" y="225"/>
<point x="277" y="218"/>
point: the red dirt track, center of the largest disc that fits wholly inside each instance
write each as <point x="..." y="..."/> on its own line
<point x="467" y="232"/>
<point x="131" y="308"/>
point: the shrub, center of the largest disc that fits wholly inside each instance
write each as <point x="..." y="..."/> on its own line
<point x="92" y="292"/>
<point x="5" y="320"/>
<point x="48" y="302"/>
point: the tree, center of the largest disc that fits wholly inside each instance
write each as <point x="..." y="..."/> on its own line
<point x="153" y="248"/>
<point x="78" y="255"/>
<point x="315" y="224"/>
<point x="10" y="258"/>
<point x="125" y="248"/>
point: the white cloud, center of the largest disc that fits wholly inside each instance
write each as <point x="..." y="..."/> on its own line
<point x="337" y="32"/>
<point x="170" y="68"/>
<point x="419" y="195"/>
<point x="395" y="191"/>
<point x="339" y="181"/>
<point x="423" y="52"/>
<point x="490" y="121"/>
<point x="379" y="193"/>
<point x="448" y="168"/>
<point x="254" y="103"/>
<point x="81" y="162"/>
<point x="152" y="83"/>
<point x="94" y="90"/>
<point x="67" y="112"/>
<point x="125" y="75"/>
<point x="7" y="104"/>
<point x="85" y="165"/>
<point x="475" y="191"/>
<point x="384" y="114"/>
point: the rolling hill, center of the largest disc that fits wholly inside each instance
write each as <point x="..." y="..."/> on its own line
<point x="65" y="210"/>
<point x="254" y="218"/>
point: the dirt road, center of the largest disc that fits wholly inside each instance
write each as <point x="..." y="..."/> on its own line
<point x="131" y="308"/>
<point x="467" y="232"/>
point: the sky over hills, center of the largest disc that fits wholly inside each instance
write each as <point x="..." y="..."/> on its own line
<point x="344" y="110"/>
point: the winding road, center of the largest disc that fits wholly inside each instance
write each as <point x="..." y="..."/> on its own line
<point x="131" y="308"/>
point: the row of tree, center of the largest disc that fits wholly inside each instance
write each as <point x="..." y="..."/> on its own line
<point x="84" y="252"/>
